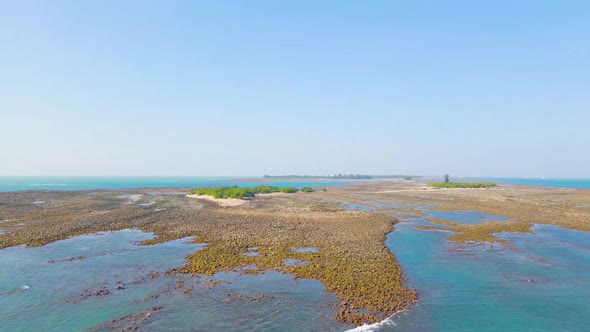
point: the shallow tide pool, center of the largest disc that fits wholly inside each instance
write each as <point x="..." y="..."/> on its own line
<point x="542" y="286"/>
<point x="63" y="286"/>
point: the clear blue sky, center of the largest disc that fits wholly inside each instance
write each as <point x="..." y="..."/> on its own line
<point x="475" y="88"/>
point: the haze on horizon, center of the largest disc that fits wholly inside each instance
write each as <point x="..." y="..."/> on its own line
<point x="295" y="87"/>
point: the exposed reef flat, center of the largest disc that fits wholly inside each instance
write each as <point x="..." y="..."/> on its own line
<point x="344" y="248"/>
<point x="349" y="255"/>
<point x="523" y="206"/>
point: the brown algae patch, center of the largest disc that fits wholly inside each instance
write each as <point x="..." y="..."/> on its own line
<point x="352" y="263"/>
<point x="482" y="232"/>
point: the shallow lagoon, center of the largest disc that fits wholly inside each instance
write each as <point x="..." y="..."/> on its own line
<point x="543" y="285"/>
<point x="466" y="217"/>
<point x="51" y="287"/>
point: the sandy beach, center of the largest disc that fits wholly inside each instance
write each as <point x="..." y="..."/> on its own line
<point x="227" y="202"/>
<point x="220" y="201"/>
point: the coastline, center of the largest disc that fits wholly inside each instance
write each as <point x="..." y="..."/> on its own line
<point x="276" y="224"/>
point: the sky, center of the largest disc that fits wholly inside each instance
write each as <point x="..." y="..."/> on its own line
<point x="469" y="88"/>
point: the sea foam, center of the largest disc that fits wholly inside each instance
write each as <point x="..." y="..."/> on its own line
<point x="387" y="322"/>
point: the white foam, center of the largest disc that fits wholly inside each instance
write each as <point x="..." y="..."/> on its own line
<point x="374" y="327"/>
<point x="387" y="322"/>
<point x="25" y="287"/>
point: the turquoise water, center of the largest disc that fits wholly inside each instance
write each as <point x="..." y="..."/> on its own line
<point x="467" y="217"/>
<point x="543" y="286"/>
<point x="12" y="183"/>
<point x="545" y="182"/>
<point x="46" y="288"/>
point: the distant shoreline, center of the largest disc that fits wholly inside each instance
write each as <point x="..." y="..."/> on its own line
<point x="9" y="184"/>
<point x="68" y="183"/>
<point x="340" y="177"/>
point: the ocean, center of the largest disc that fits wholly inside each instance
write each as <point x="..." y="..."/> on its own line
<point x="543" y="182"/>
<point x="14" y="183"/>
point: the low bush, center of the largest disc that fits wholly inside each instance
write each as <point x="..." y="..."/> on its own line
<point x="240" y="192"/>
<point x="462" y="185"/>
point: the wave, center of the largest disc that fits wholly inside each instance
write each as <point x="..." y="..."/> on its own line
<point x="387" y="322"/>
<point x="374" y="327"/>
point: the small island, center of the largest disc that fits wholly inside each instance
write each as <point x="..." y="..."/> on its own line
<point x="236" y="192"/>
<point x="448" y="184"/>
<point x="462" y="185"/>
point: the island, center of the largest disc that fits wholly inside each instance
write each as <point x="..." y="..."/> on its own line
<point x="462" y="185"/>
<point x="243" y="192"/>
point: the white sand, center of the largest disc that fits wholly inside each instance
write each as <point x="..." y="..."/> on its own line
<point x="274" y="194"/>
<point x="232" y="201"/>
<point x="131" y="198"/>
<point x="221" y="201"/>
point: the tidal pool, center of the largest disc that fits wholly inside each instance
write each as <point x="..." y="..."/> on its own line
<point x="542" y="286"/>
<point x="466" y="217"/>
<point x="104" y="281"/>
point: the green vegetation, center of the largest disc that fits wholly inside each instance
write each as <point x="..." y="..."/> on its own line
<point x="242" y="192"/>
<point x="288" y="190"/>
<point x="307" y="189"/>
<point x="462" y="185"/>
<point x="225" y="192"/>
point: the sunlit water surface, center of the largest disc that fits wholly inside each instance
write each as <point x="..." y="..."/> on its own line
<point x="43" y="288"/>
<point x="543" y="284"/>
